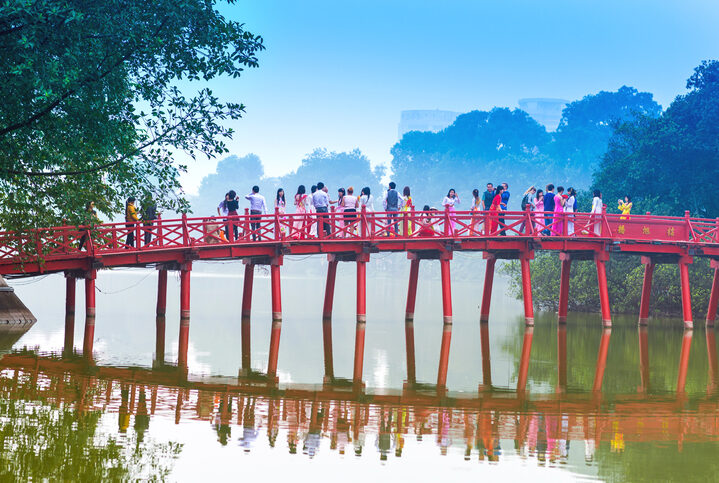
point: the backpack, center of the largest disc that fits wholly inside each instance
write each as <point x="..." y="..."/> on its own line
<point x="525" y="201"/>
<point x="392" y="200"/>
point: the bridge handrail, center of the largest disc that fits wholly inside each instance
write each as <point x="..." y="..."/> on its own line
<point x="187" y="232"/>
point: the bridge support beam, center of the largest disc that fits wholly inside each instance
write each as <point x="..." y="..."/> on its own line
<point x="488" y="281"/>
<point x="486" y="361"/>
<point x="245" y="318"/>
<point x="684" y="361"/>
<point x="686" y="292"/>
<point x="160" y="315"/>
<point x="161" y="292"/>
<point x="70" y="286"/>
<point x="412" y="288"/>
<point x="713" y="362"/>
<point x="714" y="296"/>
<point x="361" y="261"/>
<point x="600" y="258"/>
<point x="562" y="358"/>
<point x="646" y="290"/>
<point x="89" y="336"/>
<point x="644" y="358"/>
<point x="524" y="258"/>
<point x="276" y="317"/>
<point x="601" y="360"/>
<point x="327" y="317"/>
<point x="184" y="336"/>
<point x="524" y="359"/>
<point x="409" y="320"/>
<point x="564" y="287"/>
<point x="447" y="325"/>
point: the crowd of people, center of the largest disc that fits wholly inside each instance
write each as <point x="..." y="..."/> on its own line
<point x="551" y="209"/>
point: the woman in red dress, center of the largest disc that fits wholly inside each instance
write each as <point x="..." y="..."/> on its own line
<point x="495" y="209"/>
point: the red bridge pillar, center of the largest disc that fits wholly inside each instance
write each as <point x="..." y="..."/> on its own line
<point x="245" y="319"/>
<point x="488" y="280"/>
<point x="601" y="360"/>
<point x="564" y="286"/>
<point x="447" y="325"/>
<point x="160" y="316"/>
<point x="184" y="337"/>
<point x="362" y="260"/>
<point x="89" y="336"/>
<point x="600" y="258"/>
<point x="684" y="361"/>
<point x="70" y="285"/>
<point x="713" y="363"/>
<point x="562" y="358"/>
<point x="646" y="290"/>
<point x="524" y="359"/>
<point x="276" y="317"/>
<point x="524" y="258"/>
<point x="327" y="316"/>
<point x="686" y="292"/>
<point x="714" y="296"/>
<point x="486" y="361"/>
<point x="644" y="358"/>
<point x="409" y="319"/>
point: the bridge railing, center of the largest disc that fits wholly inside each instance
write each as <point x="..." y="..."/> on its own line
<point x="185" y="232"/>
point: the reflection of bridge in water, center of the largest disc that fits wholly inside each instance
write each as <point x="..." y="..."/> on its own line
<point x="264" y="240"/>
<point x="540" y="425"/>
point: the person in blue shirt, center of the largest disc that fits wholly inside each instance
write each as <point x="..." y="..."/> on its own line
<point x="503" y="205"/>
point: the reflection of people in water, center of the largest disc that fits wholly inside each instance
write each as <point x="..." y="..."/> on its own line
<point x="384" y="438"/>
<point x="222" y="420"/>
<point x="402" y="420"/>
<point x="249" y="433"/>
<point x="443" y="437"/>
<point x="312" y="441"/>
<point x="123" y="417"/>
<point x="272" y="425"/>
<point x="468" y="436"/>
<point x="292" y="425"/>
<point x="142" y="419"/>
<point x="342" y="428"/>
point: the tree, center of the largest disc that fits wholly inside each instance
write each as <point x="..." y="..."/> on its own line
<point x="232" y="173"/>
<point x="95" y="105"/>
<point x="588" y="124"/>
<point x="668" y="164"/>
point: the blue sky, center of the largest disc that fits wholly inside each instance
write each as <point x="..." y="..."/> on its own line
<point x="336" y="74"/>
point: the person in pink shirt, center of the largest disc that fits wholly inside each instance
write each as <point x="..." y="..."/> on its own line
<point x="558" y="222"/>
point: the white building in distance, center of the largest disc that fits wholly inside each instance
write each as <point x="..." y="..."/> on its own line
<point x="545" y="111"/>
<point x="425" y="120"/>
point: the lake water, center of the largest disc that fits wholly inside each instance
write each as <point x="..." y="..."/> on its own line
<point x="644" y="418"/>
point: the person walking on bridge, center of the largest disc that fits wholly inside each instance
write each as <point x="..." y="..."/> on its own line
<point x="625" y="206"/>
<point x="392" y="203"/>
<point x="548" y="209"/>
<point x="131" y="220"/>
<point x="558" y="220"/>
<point x="232" y="204"/>
<point x="258" y="207"/>
<point x="449" y="201"/>
<point x="505" y="204"/>
<point x="408" y="207"/>
<point x="597" y="211"/>
<point x="321" y="202"/>
<point x="494" y="210"/>
<point x="301" y="210"/>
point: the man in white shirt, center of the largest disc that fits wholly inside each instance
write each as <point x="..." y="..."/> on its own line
<point x="321" y="202"/>
<point x="257" y="207"/>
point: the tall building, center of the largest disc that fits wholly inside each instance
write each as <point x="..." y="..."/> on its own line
<point x="545" y="111"/>
<point x="425" y="120"/>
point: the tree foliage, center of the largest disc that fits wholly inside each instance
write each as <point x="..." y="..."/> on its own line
<point x="96" y="104"/>
<point x="668" y="163"/>
<point x="508" y="145"/>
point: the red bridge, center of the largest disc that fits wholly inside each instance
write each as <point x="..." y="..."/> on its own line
<point x="352" y="237"/>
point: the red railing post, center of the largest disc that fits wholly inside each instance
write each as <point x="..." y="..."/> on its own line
<point x="160" y="239"/>
<point x="246" y="225"/>
<point x="529" y="228"/>
<point x="138" y="234"/>
<point x="690" y="231"/>
<point x="278" y="232"/>
<point x="185" y="231"/>
<point x="605" y="222"/>
<point x="447" y="227"/>
<point x="363" y="222"/>
<point x="405" y="224"/>
<point x="333" y="222"/>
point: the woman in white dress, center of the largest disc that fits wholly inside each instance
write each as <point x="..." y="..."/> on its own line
<point x="597" y="210"/>
<point x="449" y="201"/>
<point x="569" y="208"/>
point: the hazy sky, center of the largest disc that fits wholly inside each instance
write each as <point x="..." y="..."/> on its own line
<point x="336" y="74"/>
